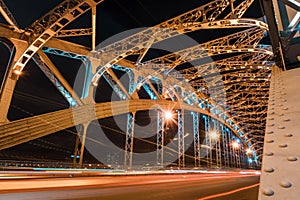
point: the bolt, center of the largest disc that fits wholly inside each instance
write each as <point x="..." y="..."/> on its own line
<point x="269" y="154"/>
<point x="292" y="158"/>
<point x="288" y="135"/>
<point x="269" y="170"/>
<point x="268" y="192"/>
<point x="285" y="184"/>
<point x="283" y="145"/>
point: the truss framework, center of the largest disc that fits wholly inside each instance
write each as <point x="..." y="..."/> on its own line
<point x="244" y="78"/>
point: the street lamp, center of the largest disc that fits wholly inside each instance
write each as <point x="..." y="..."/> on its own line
<point x="235" y="145"/>
<point x="213" y="135"/>
<point x="168" y="115"/>
<point x="249" y="151"/>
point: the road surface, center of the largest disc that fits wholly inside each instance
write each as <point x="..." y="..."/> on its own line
<point x="153" y="187"/>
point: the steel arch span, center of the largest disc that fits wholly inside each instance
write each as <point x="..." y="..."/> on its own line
<point x="220" y="86"/>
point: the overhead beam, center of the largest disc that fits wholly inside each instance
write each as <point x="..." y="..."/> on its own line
<point x="24" y="130"/>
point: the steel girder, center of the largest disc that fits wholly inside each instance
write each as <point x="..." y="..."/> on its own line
<point x="50" y="24"/>
<point x="238" y="42"/>
<point x="74" y="32"/>
<point x="24" y="130"/>
<point x="115" y="52"/>
<point x="202" y="17"/>
<point x="8" y="16"/>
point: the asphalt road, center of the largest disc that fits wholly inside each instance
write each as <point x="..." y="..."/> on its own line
<point x="153" y="187"/>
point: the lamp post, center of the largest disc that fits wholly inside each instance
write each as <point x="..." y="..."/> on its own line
<point x="163" y="116"/>
<point x="236" y="148"/>
<point x="249" y="159"/>
<point x="213" y="139"/>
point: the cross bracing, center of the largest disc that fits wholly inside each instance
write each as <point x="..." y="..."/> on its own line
<point x="233" y="90"/>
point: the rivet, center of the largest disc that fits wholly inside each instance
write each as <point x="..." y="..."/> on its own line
<point x="288" y="135"/>
<point x="268" y="192"/>
<point x="272" y="104"/>
<point x="285" y="184"/>
<point x="272" y="113"/>
<point x="280" y="105"/>
<point x="271" y="118"/>
<point x="270" y="132"/>
<point x="283" y="145"/>
<point x="287" y="120"/>
<point x="270" y="141"/>
<point x="281" y="114"/>
<point x="269" y="154"/>
<point x="281" y="127"/>
<point x="285" y="108"/>
<point x="292" y="158"/>
<point x="284" y="100"/>
<point x="269" y="170"/>
<point x="271" y="125"/>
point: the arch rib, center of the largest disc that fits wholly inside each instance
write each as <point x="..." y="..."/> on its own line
<point x="49" y="25"/>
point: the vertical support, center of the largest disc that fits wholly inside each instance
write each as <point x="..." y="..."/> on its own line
<point x="76" y="151"/>
<point x="7" y="93"/>
<point x="238" y="157"/>
<point x="160" y="138"/>
<point x="207" y="128"/>
<point x="93" y="27"/>
<point x="181" y="161"/>
<point x="242" y="157"/>
<point x="79" y="145"/>
<point x="129" y="141"/>
<point x="210" y="144"/>
<point x="230" y="149"/>
<point x="225" y="146"/>
<point x="83" y="138"/>
<point x="218" y="145"/>
<point x="196" y="138"/>
<point x="6" y="73"/>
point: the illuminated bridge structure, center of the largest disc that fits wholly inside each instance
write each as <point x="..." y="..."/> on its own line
<point x="218" y="90"/>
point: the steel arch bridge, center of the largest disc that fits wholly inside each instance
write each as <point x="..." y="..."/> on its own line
<point x="220" y="86"/>
<point x="230" y="94"/>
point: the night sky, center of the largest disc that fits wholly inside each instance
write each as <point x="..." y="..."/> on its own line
<point x="35" y="94"/>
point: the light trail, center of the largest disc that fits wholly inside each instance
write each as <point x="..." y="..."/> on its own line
<point x="230" y="192"/>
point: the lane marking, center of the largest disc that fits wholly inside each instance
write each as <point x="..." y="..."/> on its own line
<point x="230" y="192"/>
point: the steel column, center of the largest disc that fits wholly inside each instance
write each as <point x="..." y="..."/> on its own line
<point x="160" y="138"/>
<point x="129" y="141"/>
<point x="181" y="156"/>
<point x="196" y="138"/>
